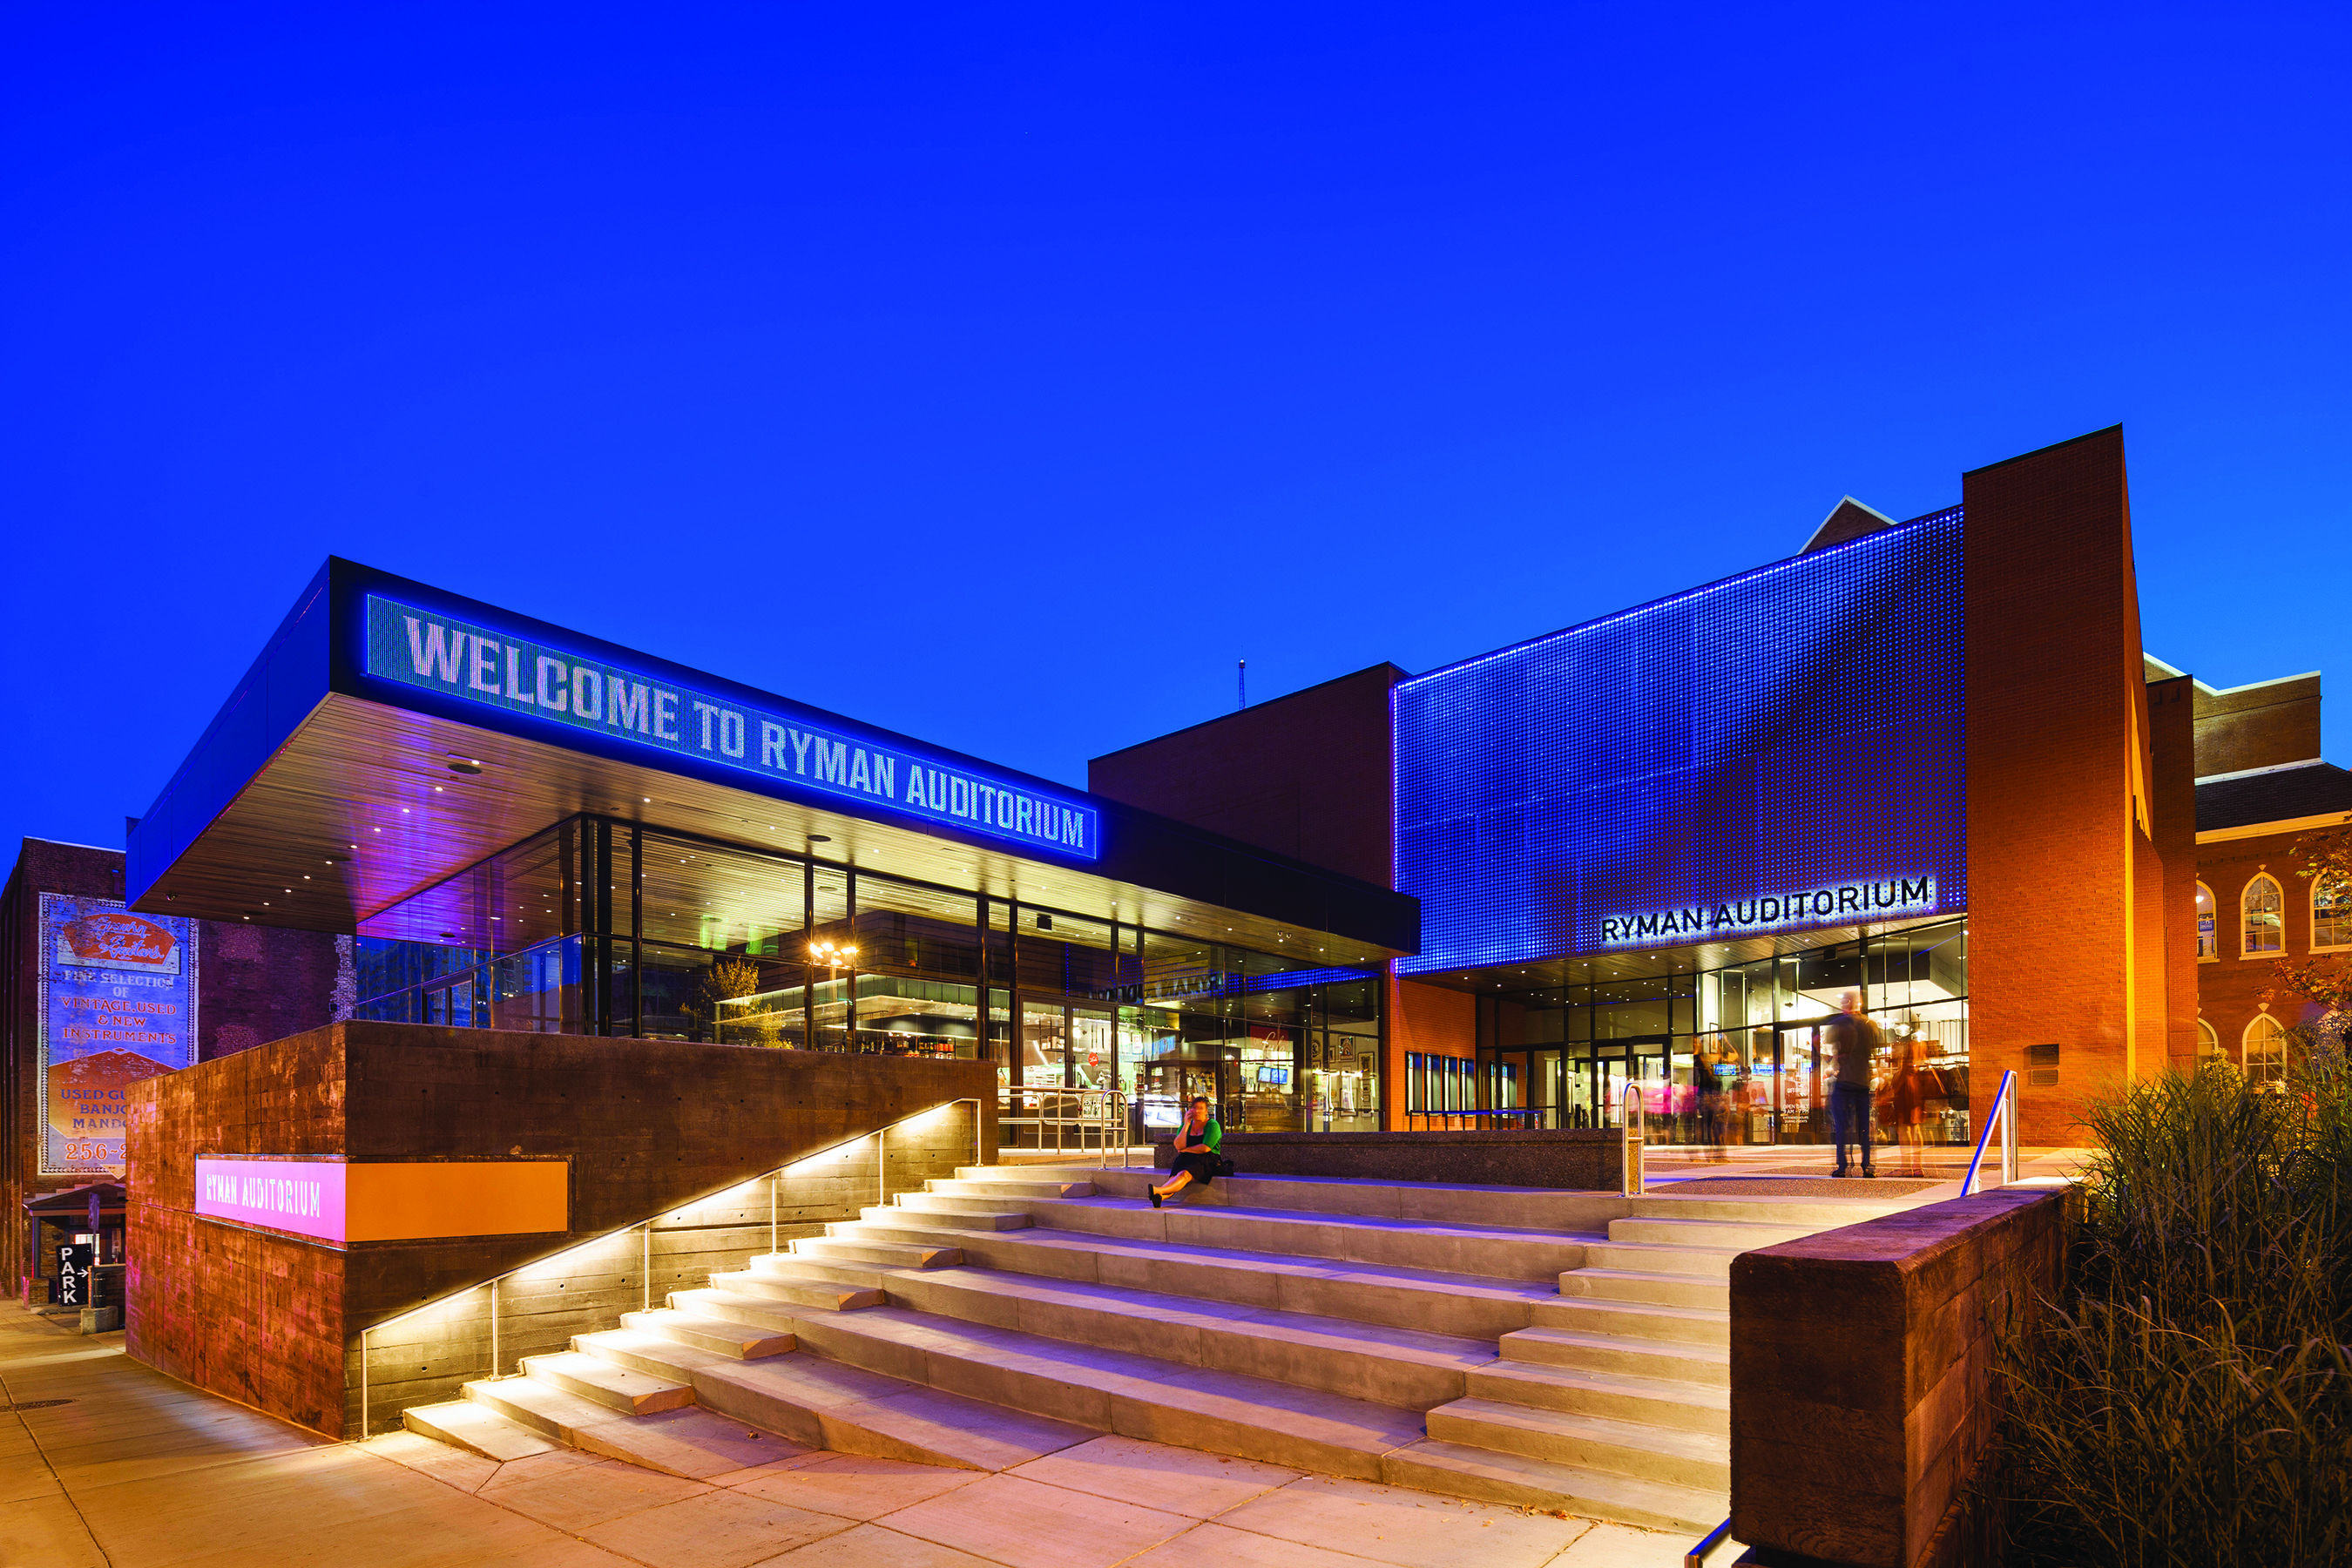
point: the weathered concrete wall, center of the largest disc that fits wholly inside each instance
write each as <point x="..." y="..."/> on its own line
<point x="1581" y="1160"/>
<point x="651" y="1130"/>
<point x="1862" y="1367"/>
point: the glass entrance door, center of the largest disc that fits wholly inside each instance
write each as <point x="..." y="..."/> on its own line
<point x="1801" y="1104"/>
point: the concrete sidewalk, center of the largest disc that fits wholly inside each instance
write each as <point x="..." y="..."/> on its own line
<point x="136" y="1469"/>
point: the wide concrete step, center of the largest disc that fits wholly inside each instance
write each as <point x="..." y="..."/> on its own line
<point x="475" y="1429"/>
<point x="995" y="1188"/>
<point x="1492" y="1475"/>
<point x="823" y="1295"/>
<point x="691" y="1442"/>
<point x="1636" y="1319"/>
<point x="1662" y="1257"/>
<point x="1739" y="1236"/>
<point x="553" y="1413"/>
<point x="809" y="1269"/>
<point x="1816" y="1215"/>
<point x="1407" y="1368"/>
<point x="1111" y="1390"/>
<point x="768" y="1314"/>
<point x="655" y="1355"/>
<point x="610" y="1384"/>
<point x="1671" y="1361"/>
<point x="1528" y="1208"/>
<point x="738" y="1341"/>
<point x="1460" y="1248"/>
<point x="960" y="1214"/>
<point x="834" y="1247"/>
<point x="1476" y="1306"/>
<point x="1654" y="1402"/>
<point x="851" y="1409"/>
<point x="1698" y="1460"/>
<point x="1655" y="1288"/>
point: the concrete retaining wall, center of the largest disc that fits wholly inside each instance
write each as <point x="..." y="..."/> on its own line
<point x="1862" y="1377"/>
<point x="650" y="1129"/>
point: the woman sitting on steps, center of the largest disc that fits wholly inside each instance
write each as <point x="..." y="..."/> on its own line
<point x="1195" y="1152"/>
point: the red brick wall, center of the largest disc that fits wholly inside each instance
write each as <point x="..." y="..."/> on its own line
<point x="2229" y="988"/>
<point x="1308" y="774"/>
<point x="2066" y="941"/>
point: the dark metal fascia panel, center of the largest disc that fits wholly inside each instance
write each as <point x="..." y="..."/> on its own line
<point x="321" y="648"/>
<point x="285" y="683"/>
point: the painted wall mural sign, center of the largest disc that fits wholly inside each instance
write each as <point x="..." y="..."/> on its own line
<point x="1746" y="916"/>
<point x="436" y="653"/>
<point x="118" y="1004"/>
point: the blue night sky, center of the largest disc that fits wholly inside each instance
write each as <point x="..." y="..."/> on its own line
<point x="1002" y="377"/>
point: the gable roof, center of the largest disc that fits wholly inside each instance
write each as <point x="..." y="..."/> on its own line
<point x="2288" y="794"/>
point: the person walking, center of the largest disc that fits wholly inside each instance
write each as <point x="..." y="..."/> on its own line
<point x="1907" y="1105"/>
<point x="1855" y="1040"/>
<point x="1706" y="1097"/>
<point x="1195" y="1153"/>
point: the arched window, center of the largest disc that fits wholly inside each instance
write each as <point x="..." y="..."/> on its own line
<point x="2331" y="913"/>
<point x="2262" y="929"/>
<point x="2209" y="1043"/>
<point x="2209" y="925"/>
<point x="2265" y="1047"/>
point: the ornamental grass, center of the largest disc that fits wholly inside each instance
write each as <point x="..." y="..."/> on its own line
<point x="2188" y="1402"/>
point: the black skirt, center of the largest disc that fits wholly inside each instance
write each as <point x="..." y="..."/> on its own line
<point x="1202" y="1165"/>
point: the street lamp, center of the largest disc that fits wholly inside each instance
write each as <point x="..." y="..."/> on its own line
<point x="834" y="957"/>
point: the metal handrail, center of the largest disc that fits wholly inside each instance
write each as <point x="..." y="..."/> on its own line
<point x="1522" y="1111"/>
<point x="1109" y="1113"/>
<point x="1636" y="1113"/>
<point x="979" y="1116"/>
<point x="1697" y="1556"/>
<point x="2003" y="1115"/>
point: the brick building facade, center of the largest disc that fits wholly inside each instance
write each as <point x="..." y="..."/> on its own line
<point x="254" y="985"/>
<point x="2084" y="813"/>
<point x="2262" y="786"/>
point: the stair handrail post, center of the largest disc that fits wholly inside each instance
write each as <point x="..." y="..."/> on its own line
<point x="2008" y="1128"/>
<point x="2002" y="1118"/>
<point x="1635" y="1115"/>
<point x="1697" y="1556"/>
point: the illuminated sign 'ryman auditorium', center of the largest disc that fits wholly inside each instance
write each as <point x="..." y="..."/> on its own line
<point x="417" y="647"/>
<point x="1863" y="900"/>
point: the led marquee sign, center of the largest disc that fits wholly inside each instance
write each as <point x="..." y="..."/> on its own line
<point x="1746" y="916"/>
<point x="436" y="653"/>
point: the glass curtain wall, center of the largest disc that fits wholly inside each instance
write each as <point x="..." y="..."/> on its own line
<point x="1161" y="1019"/>
<point x="601" y="927"/>
<point x="1754" y="1028"/>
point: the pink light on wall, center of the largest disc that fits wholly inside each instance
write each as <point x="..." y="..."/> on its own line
<point x="304" y="1196"/>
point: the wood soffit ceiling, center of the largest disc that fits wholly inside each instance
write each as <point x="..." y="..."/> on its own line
<point x="359" y="772"/>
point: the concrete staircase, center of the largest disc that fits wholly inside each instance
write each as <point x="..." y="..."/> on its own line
<point x="1555" y="1349"/>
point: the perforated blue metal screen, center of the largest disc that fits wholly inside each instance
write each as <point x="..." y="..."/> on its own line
<point x="1779" y="751"/>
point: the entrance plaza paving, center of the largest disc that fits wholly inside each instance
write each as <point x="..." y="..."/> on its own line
<point x="138" y="1468"/>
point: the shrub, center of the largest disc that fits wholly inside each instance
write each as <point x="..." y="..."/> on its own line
<point x="2190" y="1400"/>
